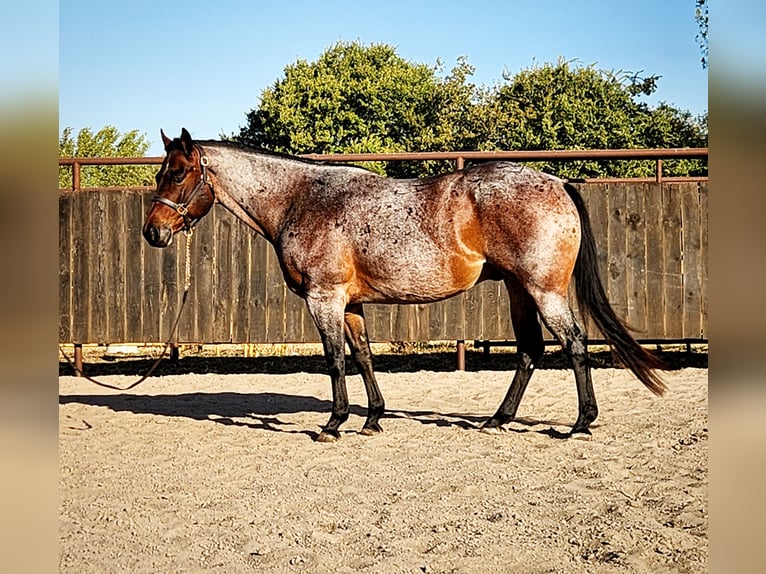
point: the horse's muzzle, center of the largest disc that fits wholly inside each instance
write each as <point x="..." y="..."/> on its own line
<point x="158" y="236"/>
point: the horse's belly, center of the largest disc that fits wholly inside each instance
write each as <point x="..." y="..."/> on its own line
<point x="422" y="282"/>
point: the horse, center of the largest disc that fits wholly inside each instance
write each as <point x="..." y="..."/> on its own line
<point x="345" y="236"/>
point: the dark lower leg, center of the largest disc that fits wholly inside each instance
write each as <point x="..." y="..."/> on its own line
<point x="507" y="410"/>
<point x="586" y="398"/>
<point x="340" y="408"/>
<point x="327" y="311"/>
<point x="358" y="342"/>
<point x="530" y="349"/>
<point x="559" y="318"/>
<point x="510" y="404"/>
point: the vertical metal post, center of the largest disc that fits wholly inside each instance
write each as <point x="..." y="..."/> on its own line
<point x="460" y="355"/>
<point x="78" y="359"/>
<point x="76" y="176"/>
<point x="174" y="352"/>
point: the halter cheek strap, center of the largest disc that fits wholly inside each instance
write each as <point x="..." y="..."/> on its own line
<point x="181" y="208"/>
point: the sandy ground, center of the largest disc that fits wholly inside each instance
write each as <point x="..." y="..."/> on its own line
<point x="219" y="472"/>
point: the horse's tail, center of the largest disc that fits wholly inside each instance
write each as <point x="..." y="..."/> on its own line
<point x="593" y="302"/>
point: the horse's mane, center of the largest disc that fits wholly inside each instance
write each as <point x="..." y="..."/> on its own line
<point x="233" y="144"/>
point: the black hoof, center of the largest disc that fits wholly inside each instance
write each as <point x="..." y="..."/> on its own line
<point x="371" y="430"/>
<point x="492" y="426"/>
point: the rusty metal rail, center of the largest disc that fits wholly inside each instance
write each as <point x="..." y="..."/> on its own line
<point x="459" y="157"/>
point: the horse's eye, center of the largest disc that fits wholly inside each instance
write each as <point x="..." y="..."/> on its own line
<point x="179" y="178"/>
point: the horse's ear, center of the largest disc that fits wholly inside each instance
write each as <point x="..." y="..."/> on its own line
<point x="186" y="141"/>
<point x="165" y="139"/>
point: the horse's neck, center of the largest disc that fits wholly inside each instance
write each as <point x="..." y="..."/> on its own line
<point x="258" y="189"/>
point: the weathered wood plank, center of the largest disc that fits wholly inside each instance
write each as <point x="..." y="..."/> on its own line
<point x="436" y="324"/>
<point x="703" y="191"/>
<point x="378" y="318"/>
<point x="489" y="309"/>
<point x="275" y="299"/>
<point x="256" y="306"/>
<point x="294" y="306"/>
<point x="117" y="231"/>
<point x="454" y="317"/>
<point x="81" y="268"/>
<point x="474" y="319"/>
<point x="692" y="260"/>
<point x="65" y="267"/>
<point x="617" y="274"/>
<point x="222" y="276"/>
<point x="152" y="291"/>
<point x="417" y="322"/>
<point x="134" y="277"/>
<point x="399" y="322"/>
<point x="241" y="262"/>
<point x="504" y="326"/>
<point x="655" y="268"/>
<point x="597" y="198"/>
<point x="672" y="261"/>
<point x="98" y="265"/>
<point x="171" y="286"/>
<point x="203" y="278"/>
<point x="635" y="266"/>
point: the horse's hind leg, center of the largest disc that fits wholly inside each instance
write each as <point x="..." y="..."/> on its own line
<point x="558" y="316"/>
<point x="358" y="342"/>
<point x="530" y="347"/>
<point x="327" y="312"/>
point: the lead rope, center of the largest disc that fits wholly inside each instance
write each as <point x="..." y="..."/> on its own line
<point x="187" y="284"/>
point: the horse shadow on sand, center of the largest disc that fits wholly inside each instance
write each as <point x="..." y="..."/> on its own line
<point x="262" y="410"/>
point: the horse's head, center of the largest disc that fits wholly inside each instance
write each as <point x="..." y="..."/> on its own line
<point x="184" y="192"/>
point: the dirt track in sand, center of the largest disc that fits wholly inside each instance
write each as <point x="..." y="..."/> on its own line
<point x="218" y="472"/>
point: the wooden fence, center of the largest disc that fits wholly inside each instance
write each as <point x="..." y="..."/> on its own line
<point x="114" y="287"/>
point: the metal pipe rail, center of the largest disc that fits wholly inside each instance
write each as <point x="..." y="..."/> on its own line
<point x="459" y="157"/>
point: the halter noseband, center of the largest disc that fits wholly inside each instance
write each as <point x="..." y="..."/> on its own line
<point x="181" y="208"/>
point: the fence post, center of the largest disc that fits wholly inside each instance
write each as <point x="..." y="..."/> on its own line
<point x="460" y="355"/>
<point x="76" y="176"/>
<point x="659" y="171"/>
<point x="78" y="359"/>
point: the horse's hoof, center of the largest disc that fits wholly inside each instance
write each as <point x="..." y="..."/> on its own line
<point x="371" y="430"/>
<point x="581" y="434"/>
<point x="328" y="436"/>
<point x="492" y="429"/>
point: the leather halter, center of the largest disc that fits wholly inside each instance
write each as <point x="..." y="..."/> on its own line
<point x="181" y="208"/>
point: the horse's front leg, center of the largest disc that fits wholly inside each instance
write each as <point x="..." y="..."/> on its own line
<point x="327" y="310"/>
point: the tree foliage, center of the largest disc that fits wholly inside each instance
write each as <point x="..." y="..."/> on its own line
<point x="361" y="99"/>
<point x="561" y="106"/>
<point x="106" y="142"/>
<point x="700" y="16"/>
<point x="358" y="98"/>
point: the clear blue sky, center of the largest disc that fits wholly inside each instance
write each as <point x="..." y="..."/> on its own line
<point x="168" y="64"/>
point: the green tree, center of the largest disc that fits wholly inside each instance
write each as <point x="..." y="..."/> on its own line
<point x="561" y="106"/>
<point x="107" y="142"/>
<point x="357" y="99"/>
<point x="362" y="99"/>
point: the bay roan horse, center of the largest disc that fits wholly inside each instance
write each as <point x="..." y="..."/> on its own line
<point x="346" y="236"/>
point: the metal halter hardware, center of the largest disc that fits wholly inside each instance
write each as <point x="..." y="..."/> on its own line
<point x="181" y="208"/>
